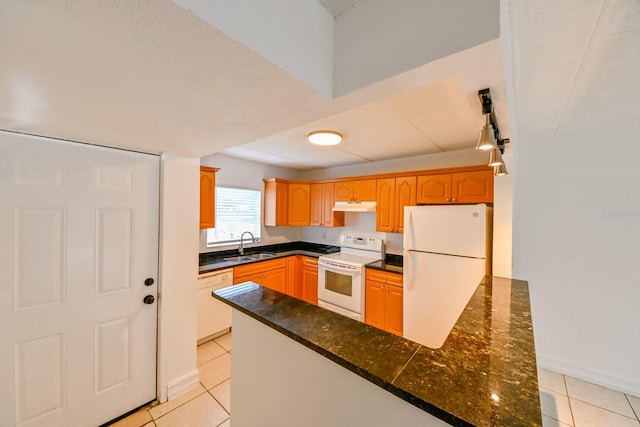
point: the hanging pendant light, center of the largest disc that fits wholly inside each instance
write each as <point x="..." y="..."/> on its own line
<point x="495" y="158"/>
<point x="501" y="170"/>
<point x="487" y="139"/>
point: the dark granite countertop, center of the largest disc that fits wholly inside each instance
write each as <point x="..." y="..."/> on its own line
<point x="391" y="262"/>
<point x="211" y="261"/>
<point x="484" y="375"/>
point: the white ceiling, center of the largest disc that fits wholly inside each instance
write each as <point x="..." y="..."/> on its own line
<point x="576" y="66"/>
<point x="149" y="75"/>
<point x="338" y="7"/>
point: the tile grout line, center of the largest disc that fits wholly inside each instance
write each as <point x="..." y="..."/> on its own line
<point x="179" y="406"/>
<point x="566" y="388"/>
<point x="218" y="402"/>
<point x="626" y="396"/>
<point x="597" y="406"/>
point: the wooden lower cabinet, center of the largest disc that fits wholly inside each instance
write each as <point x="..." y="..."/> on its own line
<point x="271" y="274"/>
<point x="294" y="271"/>
<point x="309" y="279"/>
<point x="384" y="300"/>
<point x="295" y="275"/>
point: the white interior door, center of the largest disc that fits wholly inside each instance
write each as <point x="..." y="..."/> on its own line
<point x="78" y="238"/>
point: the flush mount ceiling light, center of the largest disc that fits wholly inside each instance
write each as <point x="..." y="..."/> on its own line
<point x="325" y="137"/>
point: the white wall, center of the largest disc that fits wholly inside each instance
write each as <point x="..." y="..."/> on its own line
<point x="246" y="174"/>
<point x="294" y="386"/>
<point x="354" y="222"/>
<point x="503" y="217"/>
<point x="295" y="35"/>
<point x="379" y="39"/>
<point x="177" y="303"/>
<point x="576" y="240"/>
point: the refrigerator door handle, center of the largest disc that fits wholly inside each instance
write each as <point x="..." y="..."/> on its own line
<point x="408" y="280"/>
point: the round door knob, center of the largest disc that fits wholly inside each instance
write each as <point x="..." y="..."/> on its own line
<point x="149" y="299"/>
<point x="149" y="282"/>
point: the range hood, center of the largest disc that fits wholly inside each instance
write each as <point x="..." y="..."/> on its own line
<point x="354" y="207"/>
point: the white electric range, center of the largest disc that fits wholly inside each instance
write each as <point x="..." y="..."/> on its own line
<point x="341" y="275"/>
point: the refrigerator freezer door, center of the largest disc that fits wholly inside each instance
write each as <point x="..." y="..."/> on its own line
<point x="436" y="290"/>
<point x="455" y="230"/>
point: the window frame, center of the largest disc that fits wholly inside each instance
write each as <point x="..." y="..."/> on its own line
<point x="260" y="218"/>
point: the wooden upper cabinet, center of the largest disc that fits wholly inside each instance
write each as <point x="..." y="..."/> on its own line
<point x="405" y="196"/>
<point x="360" y="190"/>
<point x="386" y="193"/>
<point x="435" y="189"/>
<point x="322" y="201"/>
<point x="299" y="203"/>
<point x="276" y="205"/>
<point x="315" y="217"/>
<point x="457" y="187"/>
<point x="472" y="187"/>
<point x="393" y="194"/>
<point x="207" y="197"/>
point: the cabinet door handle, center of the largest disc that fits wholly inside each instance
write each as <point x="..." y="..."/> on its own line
<point x="454" y="200"/>
<point x="447" y="200"/>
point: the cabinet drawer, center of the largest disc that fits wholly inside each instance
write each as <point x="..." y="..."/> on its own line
<point x="310" y="261"/>
<point x="258" y="267"/>
<point x="384" y="277"/>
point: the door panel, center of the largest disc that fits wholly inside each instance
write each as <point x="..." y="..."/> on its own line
<point x="78" y="237"/>
<point x="39" y="384"/>
<point x="113" y="249"/>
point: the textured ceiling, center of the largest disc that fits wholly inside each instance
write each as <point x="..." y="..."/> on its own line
<point x="338" y="7"/>
<point x="588" y="80"/>
<point x="148" y="75"/>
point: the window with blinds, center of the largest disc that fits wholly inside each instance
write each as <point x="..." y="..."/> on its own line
<point x="237" y="210"/>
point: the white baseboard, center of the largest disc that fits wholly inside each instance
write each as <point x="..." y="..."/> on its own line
<point x="600" y="378"/>
<point x="182" y="384"/>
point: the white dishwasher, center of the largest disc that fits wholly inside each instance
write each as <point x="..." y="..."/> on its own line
<point x="214" y="316"/>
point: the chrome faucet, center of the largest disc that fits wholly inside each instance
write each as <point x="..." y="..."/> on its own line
<point x="241" y="248"/>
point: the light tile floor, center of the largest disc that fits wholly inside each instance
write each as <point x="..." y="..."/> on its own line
<point x="208" y="405"/>
<point x="565" y="401"/>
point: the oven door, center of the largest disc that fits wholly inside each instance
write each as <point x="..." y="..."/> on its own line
<point x="340" y="285"/>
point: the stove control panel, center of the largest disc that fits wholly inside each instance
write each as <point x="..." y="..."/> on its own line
<point x="369" y="243"/>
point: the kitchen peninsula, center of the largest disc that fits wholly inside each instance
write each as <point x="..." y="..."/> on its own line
<point x="297" y="364"/>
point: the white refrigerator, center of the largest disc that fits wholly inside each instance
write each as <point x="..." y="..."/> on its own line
<point x="445" y="258"/>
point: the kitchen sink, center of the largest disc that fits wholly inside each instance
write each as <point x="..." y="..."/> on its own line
<point x="240" y="258"/>
<point x="252" y="257"/>
<point x="262" y="255"/>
